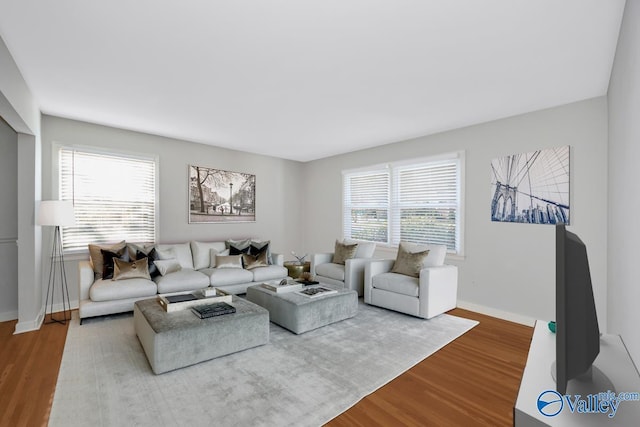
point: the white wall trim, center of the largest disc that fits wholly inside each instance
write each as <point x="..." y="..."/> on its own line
<point x="32" y="325"/>
<point x="494" y="312"/>
<point x="8" y="315"/>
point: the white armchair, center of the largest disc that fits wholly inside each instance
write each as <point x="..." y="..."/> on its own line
<point x="430" y="294"/>
<point x="351" y="274"/>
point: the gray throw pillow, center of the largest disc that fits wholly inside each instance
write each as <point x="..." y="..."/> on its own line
<point x="344" y="252"/>
<point x="408" y="263"/>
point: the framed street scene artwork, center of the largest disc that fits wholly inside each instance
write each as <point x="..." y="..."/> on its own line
<point x="217" y="195"/>
<point x="531" y="187"/>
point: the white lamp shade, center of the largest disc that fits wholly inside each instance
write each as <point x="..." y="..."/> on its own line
<point x="56" y="212"/>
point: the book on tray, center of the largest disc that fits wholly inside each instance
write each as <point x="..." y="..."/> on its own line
<point x="282" y="286"/>
<point x="316" y="292"/>
<point x="180" y="298"/>
<point x="212" y="310"/>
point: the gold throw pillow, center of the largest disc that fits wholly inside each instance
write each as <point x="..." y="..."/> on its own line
<point x="408" y="263"/>
<point x="252" y="261"/>
<point x="131" y="270"/>
<point x="344" y="252"/>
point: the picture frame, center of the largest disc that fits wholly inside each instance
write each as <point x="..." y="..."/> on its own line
<point x="532" y="187"/>
<point x="221" y="196"/>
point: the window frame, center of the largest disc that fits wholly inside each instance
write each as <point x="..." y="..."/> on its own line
<point x="394" y="206"/>
<point x="130" y="155"/>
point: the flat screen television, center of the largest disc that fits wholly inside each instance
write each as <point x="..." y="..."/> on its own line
<point x="577" y="332"/>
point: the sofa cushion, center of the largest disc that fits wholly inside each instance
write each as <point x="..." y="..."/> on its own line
<point x="365" y="249"/>
<point x="271" y="272"/>
<point x="331" y="270"/>
<point x="181" y="251"/>
<point x="227" y="276"/>
<point x="437" y="253"/>
<point x="397" y="283"/>
<point x="184" y="280"/>
<point x="201" y="252"/>
<point x="109" y="290"/>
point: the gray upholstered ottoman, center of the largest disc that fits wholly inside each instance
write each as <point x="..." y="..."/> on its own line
<point x="300" y="314"/>
<point x="179" y="339"/>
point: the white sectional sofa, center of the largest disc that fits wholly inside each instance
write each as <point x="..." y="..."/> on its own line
<point x="198" y="270"/>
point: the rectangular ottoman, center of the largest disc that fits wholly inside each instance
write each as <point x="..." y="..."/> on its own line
<point x="300" y="314"/>
<point x="179" y="339"/>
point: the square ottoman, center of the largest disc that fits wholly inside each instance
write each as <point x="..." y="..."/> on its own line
<point x="178" y="339"/>
<point x="299" y="313"/>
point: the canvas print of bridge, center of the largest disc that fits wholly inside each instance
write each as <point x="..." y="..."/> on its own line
<point x="217" y="195"/>
<point x="531" y="187"/>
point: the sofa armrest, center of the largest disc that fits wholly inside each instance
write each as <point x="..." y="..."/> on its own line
<point x="317" y="259"/>
<point x="86" y="278"/>
<point x="373" y="268"/>
<point x="277" y="259"/>
<point x="438" y="290"/>
<point x="354" y="274"/>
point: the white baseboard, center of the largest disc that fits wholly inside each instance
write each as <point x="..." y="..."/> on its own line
<point x="500" y="314"/>
<point x="34" y="325"/>
<point x="31" y="325"/>
<point x="8" y="315"/>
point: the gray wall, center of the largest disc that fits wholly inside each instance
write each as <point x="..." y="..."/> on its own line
<point x="8" y="222"/>
<point x="624" y="176"/>
<point x="21" y="111"/>
<point x="277" y="184"/>
<point x="507" y="268"/>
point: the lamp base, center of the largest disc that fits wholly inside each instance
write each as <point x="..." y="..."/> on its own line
<point x="57" y="270"/>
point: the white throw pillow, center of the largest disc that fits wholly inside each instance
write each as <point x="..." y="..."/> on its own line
<point x="182" y="253"/>
<point x="213" y="253"/>
<point x="201" y="253"/>
<point x="166" y="266"/>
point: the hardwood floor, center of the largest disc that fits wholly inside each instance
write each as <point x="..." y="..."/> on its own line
<point x="473" y="381"/>
<point x="29" y="365"/>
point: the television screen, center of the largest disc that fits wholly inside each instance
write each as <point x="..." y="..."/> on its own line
<point x="577" y="332"/>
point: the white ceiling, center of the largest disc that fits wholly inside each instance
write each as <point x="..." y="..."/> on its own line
<point x="308" y="79"/>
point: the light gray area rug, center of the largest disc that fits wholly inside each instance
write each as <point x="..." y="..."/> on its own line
<point x="297" y="380"/>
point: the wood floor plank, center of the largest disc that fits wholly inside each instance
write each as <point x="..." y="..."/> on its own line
<point x="29" y="364"/>
<point x="472" y="381"/>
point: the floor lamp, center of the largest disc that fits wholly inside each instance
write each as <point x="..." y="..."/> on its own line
<point x="57" y="213"/>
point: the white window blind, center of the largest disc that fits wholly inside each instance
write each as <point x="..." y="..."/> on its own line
<point x="426" y="207"/>
<point x="418" y="202"/>
<point x="114" y="197"/>
<point x="366" y="205"/>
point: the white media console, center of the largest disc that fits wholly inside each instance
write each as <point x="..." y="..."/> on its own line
<point x="614" y="361"/>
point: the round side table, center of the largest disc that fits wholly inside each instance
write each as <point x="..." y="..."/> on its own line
<point x="296" y="269"/>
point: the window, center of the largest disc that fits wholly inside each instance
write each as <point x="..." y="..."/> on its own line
<point x="114" y="197"/>
<point x="417" y="202"/>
